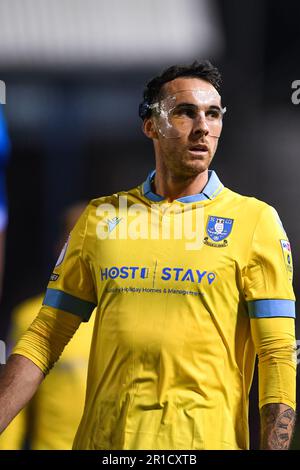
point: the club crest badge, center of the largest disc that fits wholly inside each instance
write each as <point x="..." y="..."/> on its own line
<point x="218" y="230"/>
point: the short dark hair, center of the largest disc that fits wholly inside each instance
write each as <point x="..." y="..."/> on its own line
<point x="204" y="70"/>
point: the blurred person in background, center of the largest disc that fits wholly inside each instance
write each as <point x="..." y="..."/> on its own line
<point x="177" y="328"/>
<point x="51" y="419"/>
<point x="4" y="154"/>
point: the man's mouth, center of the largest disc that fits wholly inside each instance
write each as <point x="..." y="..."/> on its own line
<point x="198" y="149"/>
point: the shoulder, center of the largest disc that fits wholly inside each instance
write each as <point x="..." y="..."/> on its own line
<point x="255" y="211"/>
<point x="112" y="199"/>
<point x="247" y="203"/>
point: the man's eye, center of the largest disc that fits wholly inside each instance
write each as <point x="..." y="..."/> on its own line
<point x="213" y="114"/>
<point x="185" y="111"/>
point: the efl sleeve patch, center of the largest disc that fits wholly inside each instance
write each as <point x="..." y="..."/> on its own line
<point x="287" y="255"/>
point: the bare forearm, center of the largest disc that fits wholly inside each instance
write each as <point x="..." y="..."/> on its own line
<point x="277" y="425"/>
<point x="19" y="380"/>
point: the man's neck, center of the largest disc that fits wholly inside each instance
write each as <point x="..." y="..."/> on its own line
<point x="171" y="187"/>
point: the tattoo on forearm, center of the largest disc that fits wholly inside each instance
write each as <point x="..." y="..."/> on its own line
<point x="277" y="425"/>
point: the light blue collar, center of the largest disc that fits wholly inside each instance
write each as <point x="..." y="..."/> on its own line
<point x="210" y="191"/>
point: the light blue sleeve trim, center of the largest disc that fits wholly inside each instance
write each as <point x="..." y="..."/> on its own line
<point x="58" y="299"/>
<point x="271" y="308"/>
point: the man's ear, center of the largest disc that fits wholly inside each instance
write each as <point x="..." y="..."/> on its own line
<point x="149" y="128"/>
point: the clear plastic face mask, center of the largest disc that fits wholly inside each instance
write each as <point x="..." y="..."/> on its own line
<point x="177" y="115"/>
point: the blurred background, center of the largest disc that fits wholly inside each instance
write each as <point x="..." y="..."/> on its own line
<point x="74" y="72"/>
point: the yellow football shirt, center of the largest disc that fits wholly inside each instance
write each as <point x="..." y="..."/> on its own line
<point x="186" y="293"/>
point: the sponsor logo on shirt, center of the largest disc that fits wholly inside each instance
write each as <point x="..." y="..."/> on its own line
<point x="124" y="272"/>
<point x="218" y="230"/>
<point x="173" y="274"/>
<point x="113" y="223"/>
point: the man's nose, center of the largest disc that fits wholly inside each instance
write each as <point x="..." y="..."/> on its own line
<point x="200" y="124"/>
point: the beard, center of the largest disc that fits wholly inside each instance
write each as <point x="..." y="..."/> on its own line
<point x="185" y="166"/>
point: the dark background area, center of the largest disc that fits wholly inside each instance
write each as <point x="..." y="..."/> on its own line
<point x="76" y="135"/>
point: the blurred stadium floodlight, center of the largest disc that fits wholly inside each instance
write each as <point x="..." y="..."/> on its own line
<point x="2" y="92"/>
<point x="115" y="33"/>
